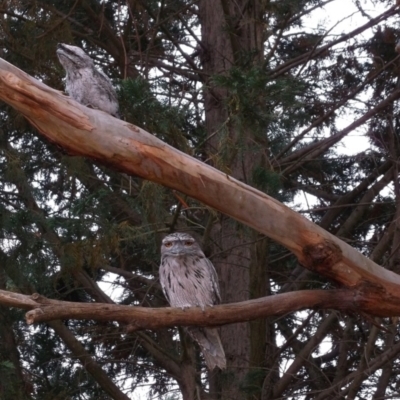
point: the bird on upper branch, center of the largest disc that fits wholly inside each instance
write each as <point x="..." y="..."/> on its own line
<point x="84" y="82"/>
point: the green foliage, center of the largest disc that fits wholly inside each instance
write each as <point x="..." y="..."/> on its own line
<point x="267" y="180"/>
<point x="253" y="98"/>
<point x="251" y="384"/>
<point x="7" y="365"/>
<point x="257" y="100"/>
<point x="172" y="124"/>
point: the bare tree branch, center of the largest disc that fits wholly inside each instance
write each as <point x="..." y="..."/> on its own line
<point x="83" y="131"/>
<point x="44" y="309"/>
<point x="79" y="351"/>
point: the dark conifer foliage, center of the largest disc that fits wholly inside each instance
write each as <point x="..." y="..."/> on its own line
<point x="256" y="89"/>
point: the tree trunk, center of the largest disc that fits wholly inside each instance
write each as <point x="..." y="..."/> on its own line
<point x="230" y="30"/>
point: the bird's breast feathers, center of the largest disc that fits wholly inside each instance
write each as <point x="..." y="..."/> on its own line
<point x="187" y="281"/>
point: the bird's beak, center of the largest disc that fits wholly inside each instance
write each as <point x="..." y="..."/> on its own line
<point x="177" y="252"/>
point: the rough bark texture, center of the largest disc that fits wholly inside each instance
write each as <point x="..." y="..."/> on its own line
<point x="230" y="29"/>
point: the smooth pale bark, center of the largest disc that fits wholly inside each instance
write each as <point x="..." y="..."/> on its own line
<point x="94" y="134"/>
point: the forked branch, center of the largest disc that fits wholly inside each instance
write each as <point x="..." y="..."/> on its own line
<point x="94" y="134"/>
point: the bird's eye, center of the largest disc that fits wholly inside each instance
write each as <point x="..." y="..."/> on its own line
<point x="188" y="243"/>
<point x="168" y="244"/>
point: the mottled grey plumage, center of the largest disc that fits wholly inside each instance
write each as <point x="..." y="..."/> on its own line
<point x="189" y="279"/>
<point x="84" y="83"/>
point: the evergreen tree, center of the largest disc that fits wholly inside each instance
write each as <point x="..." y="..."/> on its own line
<point x="250" y="88"/>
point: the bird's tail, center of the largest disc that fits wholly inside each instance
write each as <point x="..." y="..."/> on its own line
<point x="211" y="346"/>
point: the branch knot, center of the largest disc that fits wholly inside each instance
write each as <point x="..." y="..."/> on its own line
<point x="322" y="255"/>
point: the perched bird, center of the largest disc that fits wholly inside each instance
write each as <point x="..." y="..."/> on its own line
<point x="188" y="279"/>
<point x="84" y="83"/>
